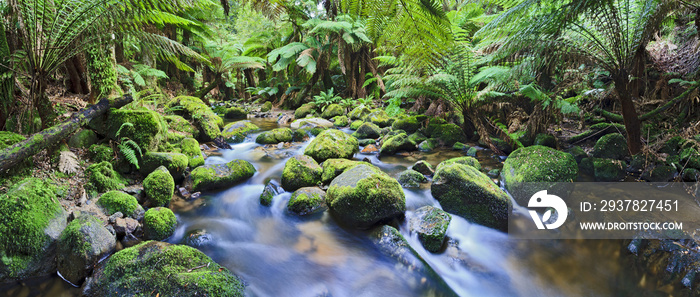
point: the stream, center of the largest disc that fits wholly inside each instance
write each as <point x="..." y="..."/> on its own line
<point x="280" y="254"/>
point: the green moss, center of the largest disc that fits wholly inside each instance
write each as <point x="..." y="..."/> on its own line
<point x="159" y="223"/>
<point x="608" y="170"/>
<point x="82" y="139"/>
<point x="159" y="186"/>
<point x="208" y="122"/>
<point x="546" y="140"/>
<point x="116" y="201"/>
<point x="448" y="134"/>
<point x="356" y="124"/>
<point x="304" y="110"/>
<point x="411" y="179"/>
<point x="180" y="124"/>
<point x="332" y="144"/>
<point x="396" y="143"/>
<point x="103" y="177"/>
<point x="266" y="107"/>
<point x="427" y="145"/>
<point x="275" y="136"/>
<point x="300" y="171"/>
<point x="101" y="153"/>
<point x="690" y="157"/>
<point x="334" y="167"/>
<point x="458" y="146"/>
<point x="578" y="153"/>
<point x="174" y="162"/>
<point x="217" y="176"/>
<point x="340" y="121"/>
<point x="611" y="146"/>
<point x="271" y="190"/>
<point x="431" y="225"/>
<point x="147" y="130"/>
<point x="190" y="148"/>
<point x="359" y="113"/>
<point x="380" y="118"/>
<point x="237" y="131"/>
<point x="598" y="130"/>
<point x="471" y="161"/>
<point x="10" y="138"/>
<point x="235" y="113"/>
<point x="332" y="110"/>
<point x="408" y="124"/>
<point x="167" y="269"/>
<point x="74" y="237"/>
<point x="367" y="130"/>
<point x="305" y="201"/>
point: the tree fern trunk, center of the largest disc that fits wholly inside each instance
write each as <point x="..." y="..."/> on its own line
<point x="7" y="79"/>
<point x="629" y="113"/>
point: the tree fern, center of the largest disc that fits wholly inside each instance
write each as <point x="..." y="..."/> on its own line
<point x="128" y="147"/>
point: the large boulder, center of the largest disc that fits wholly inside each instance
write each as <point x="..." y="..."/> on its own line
<point x="397" y="143"/>
<point x="340" y="121"/>
<point x="532" y="169"/>
<point x="334" y="167"/>
<point x="380" y="118"/>
<point x="465" y="191"/>
<point x="367" y="130"/>
<point x="142" y="126"/>
<point x="162" y="268"/>
<point x="604" y="170"/>
<point x="176" y="163"/>
<point x="275" y="136"/>
<point x="115" y="201"/>
<point x="159" y="186"/>
<point x="430" y="224"/>
<point x="300" y="171"/>
<point x="190" y="148"/>
<point x="311" y="123"/>
<point x="217" y="176"/>
<point x="611" y="146"/>
<point x="333" y="110"/>
<point x="83" y="139"/>
<point x="235" y="112"/>
<point x="159" y="223"/>
<point x="304" y="110"/>
<point x="447" y="134"/>
<point x="267" y="106"/>
<point x="181" y="126"/>
<point x="81" y="246"/>
<point x="332" y="144"/>
<point x="31" y="220"/>
<point x="427" y="145"/>
<point x="307" y="200"/>
<point x="545" y="139"/>
<point x="356" y="124"/>
<point x="99" y="153"/>
<point x="236" y="132"/>
<point x="359" y="113"/>
<point x="471" y="161"/>
<point x="102" y="177"/>
<point x="424" y="167"/>
<point x="208" y="122"/>
<point x="363" y="196"/>
<point x="408" y="124"/>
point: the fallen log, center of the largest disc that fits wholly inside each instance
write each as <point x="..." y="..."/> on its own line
<point x="13" y="154"/>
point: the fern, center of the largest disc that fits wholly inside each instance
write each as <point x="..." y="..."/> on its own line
<point x="510" y="138"/>
<point x="128" y="147"/>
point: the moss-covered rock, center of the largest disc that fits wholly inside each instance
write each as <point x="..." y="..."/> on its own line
<point x="397" y="143"/>
<point x="267" y="106"/>
<point x="544" y="139"/>
<point x="103" y="177"/>
<point x="237" y="131"/>
<point x="356" y="124"/>
<point x="472" y="152"/>
<point x="359" y="113"/>
<point x="235" y="113"/>
<point x="159" y="186"/>
<point x="304" y="110"/>
<point x="363" y="196"/>
<point x="181" y="125"/>
<point x="471" y="161"/>
<point x="27" y="122"/>
<point x="408" y="124"/>
<point x="300" y="171"/>
<point x="208" y="122"/>
<point x="608" y="170"/>
<point x="176" y="163"/>
<point x="458" y="146"/>
<point x="275" y="136"/>
<point x="367" y="130"/>
<point x="146" y="127"/>
<point x="660" y="174"/>
<point x="431" y="225"/>
<point x="164" y="268"/>
<point x="578" y="153"/>
<point x="611" y="146"/>
<point x="332" y="144"/>
<point x="423" y="167"/>
<point x="340" y="121"/>
<point x="334" y="167"/>
<point x="31" y="220"/>
<point x="82" y="139"/>
<point x="190" y="148"/>
<point x="333" y="110"/>
<point x="81" y="246"/>
<point x="217" y="176"/>
<point x="428" y="145"/>
<point x="100" y="153"/>
<point x="307" y="200"/>
<point x="691" y="175"/>
<point x="379" y="118"/>
<point x="272" y="189"/>
<point x="417" y="138"/>
<point x="538" y="164"/>
<point x="411" y="179"/>
<point x="448" y="134"/>
<point x="159" y="223"/>
<point x="117" y="201"/>
<point x="690" y="158"/>
<point x="366" y="142"/>
<point x="598" y="130"/>
<point x="465" y="191"/>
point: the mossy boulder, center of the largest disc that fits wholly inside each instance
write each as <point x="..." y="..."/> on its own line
<point x="417" y="137"/>
<point x="545" y="140"/>
<point x="411" y="179"/>
<point x="465" y="191"/>
<point x="471" y="161"/>
<point x="427" y="145"/>
<point x="379" y="118"/>
<point x="332" y="144"/>
<point x="176" y="163"/>
<point x="538" y="164"/>
<point x="267" y="106"/>
<point x="275" y="136"/>
<point x="359" y="113"/>
<point x="367" y="130"/>
<point x="334" y="167"/>
<point x="159" y="223"/>
<point x="690" y="158"/>
<point x="190" y="148"/>
<point x="82" y="139"/>
<point x="31" y="220"/>
<point x="472" y="152"/>
<point x="356" y="124"/>
<point x="611" y="146"/>
<point x="333" y="110"/>
<point x="662" y="173"/>
<point x="340" y="121"/>
<point x="237" y="131"/>
<point x="272" y="189"/>
<point x="164" y="268"/>
<point x="218" y="176"/>
<point x="408" y="124"/>
<point x="430" y="224"/>
<point x="103" y="177"/>
<point x="607" y="170"/>
<point x="235" y="113"/>
<point x="300" y="171"/>
<point x="367" y="141"/>
<point x="304" y="110"/>
<point x="691" y="175"/>
<point x="424" y="167"/>
<point x="81" y="246"/>
<point x="397" y="143"/>
<point x="578" y="153"/>
<point x="448" y="134"/>
<point x="458" y="146"/>
<point x="182" y="126"/>
<point x="307" y="200"/>
<point x="159" y="186"/>
<point x="363" y="196"/>
<point x="208" y="122"/>
<point x="145" y="128"/>
<point x="100" y="153"/>
<point x="116" y="201"/>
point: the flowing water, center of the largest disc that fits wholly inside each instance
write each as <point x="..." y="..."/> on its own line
<point x="279" y="254"/>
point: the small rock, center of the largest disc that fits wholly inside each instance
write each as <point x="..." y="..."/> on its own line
<point x="272" y="189"/>
<point x="183" y="192"/>
<point x="198" y="238"/>
<point x="423" y="167"/>
<point x="195" y="195"/>
<point x="130" y="240"/>
<point x="125" y="226"/>
<point x="113" y="218"/>
<point x="431" y="225"/>
<point x="369" y="149"/>
<point x="411" y="179"/>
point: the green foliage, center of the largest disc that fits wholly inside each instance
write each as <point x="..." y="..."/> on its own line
<point x="103" y="75"/>
<point x="393" y="108"/>
<point x="128" y="147"/>
<point x="324" y="99"/>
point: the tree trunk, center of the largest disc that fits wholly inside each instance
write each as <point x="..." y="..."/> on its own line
<point x="76" y="73"/>
<point x="629" y="113"/>
<point x="119" y="51"/>
<point x="14" y="154"/>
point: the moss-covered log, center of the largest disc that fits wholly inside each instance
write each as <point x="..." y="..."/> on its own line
<point x="12" y="155"/>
